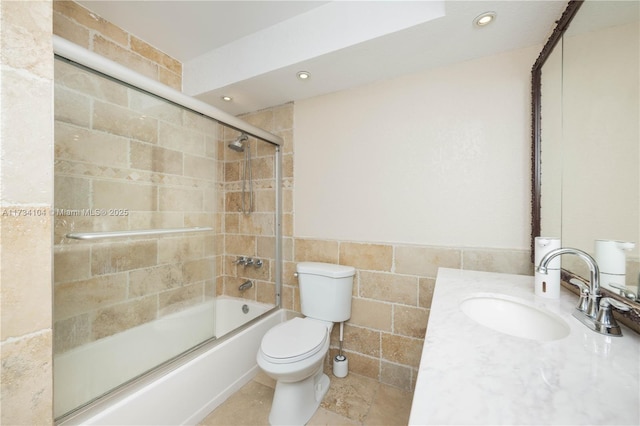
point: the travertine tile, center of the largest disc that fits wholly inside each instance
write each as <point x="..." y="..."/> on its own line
<point x="283" y="117"/>
<point x="71" y="263"/>
<point x="425" y="261"/>
<point x="401" y="350"/>
<point x="78" y="297"/>
<point x="170" y="79"/>
<point x="372" y="257"/>
<point x="25" y="268"/>
<point x="124" y="122"/>
<point x="114" y="319"/>
<point x="78" y="144"/>
<point x="110" y="258"/>
<point x="180" y="139"/>
<point x="351" y="396"/>
<point x="358" y="339"/>
<point x="199" y="167"/>
<point x="179" y="249"/>
<point x="249" y="406"/>
<point x="26" y="144"/>
<point x="26" y="30"/>
<point x="180" y="298"/>
<point x="117" y="53"/>
<point x="371" y="314"/>
<point x="502" y="261"/>
<point x="410" y="321"/>
<point x="26" y="385"/>
<point x="240" y="245"/>
<point x="154" y="158"/>
<point x="390" y="407"/>
<point x="324" y="417"/>
<point x="72" y="193"/>
<point x="90" y="20"/>
<point x="70" y="107"/>
<point x="155" y="55"/>
<point x="388" y="287"/>
<point x="363" y="365"/>
<point x="89" y="84"/>
<point x="70" y="30"/>
<point x="316" y="251"/>
<point x="180" y="199"/>
<point x="396" y="375"/>
<point x="71" y="332"/>
<point x="426" y="288"/>
<point x="198" y="270"/>
<point x="143" y="282"/>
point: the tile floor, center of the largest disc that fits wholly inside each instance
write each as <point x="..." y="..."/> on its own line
<point x="353" y="400"/>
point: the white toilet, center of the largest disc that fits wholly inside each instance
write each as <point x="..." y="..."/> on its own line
<point x="294" y="351"/>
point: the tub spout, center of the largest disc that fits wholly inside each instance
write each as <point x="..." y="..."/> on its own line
<point x="245" y="285"/>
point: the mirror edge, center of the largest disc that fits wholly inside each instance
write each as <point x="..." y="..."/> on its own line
<point x="536" y="110"/>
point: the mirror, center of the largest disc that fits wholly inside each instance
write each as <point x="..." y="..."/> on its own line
<point x="586" y="129"/>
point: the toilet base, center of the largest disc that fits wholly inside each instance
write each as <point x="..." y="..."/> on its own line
<point x="295" y="403"/>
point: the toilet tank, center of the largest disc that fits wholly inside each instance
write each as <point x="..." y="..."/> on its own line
<point x="325" y="290"/>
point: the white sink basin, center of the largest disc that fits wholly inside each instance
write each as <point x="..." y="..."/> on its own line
<point x="515" y="317"/>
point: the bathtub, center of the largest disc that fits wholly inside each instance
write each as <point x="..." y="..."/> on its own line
<point x="183" y="392"/>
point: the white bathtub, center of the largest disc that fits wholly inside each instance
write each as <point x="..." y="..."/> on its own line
<point x="183" y="393"/>
<point x="229" y="313"/>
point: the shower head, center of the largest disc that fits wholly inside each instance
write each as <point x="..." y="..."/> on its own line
<point x="238" y="144"/>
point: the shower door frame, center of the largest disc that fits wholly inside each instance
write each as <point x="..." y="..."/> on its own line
<point x="69" y="51"/>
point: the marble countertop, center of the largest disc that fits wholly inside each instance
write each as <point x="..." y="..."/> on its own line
<point x="472" y="375"/>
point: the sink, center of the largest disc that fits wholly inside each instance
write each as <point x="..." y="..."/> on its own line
<point x="515" y="317"/>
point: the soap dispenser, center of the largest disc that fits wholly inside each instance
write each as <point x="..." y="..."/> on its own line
<point x="547" y="285"/>
<point x="610" y="256"/>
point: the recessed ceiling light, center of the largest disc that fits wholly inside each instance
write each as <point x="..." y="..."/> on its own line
<point x="227" y="98"/>
<point x="304" y="75"/>
<point x="484" y="19"/>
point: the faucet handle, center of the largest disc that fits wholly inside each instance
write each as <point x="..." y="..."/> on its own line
<point x="606" y="302"/>
<point x="624" y="292"/>
<point x="584" y="287"/>
<point x="605" y="322"/>
<point x="583" y="302"/>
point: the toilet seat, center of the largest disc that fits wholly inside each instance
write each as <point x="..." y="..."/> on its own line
<point x="294" y="340"/>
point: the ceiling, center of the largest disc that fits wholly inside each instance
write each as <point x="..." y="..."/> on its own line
<point x="252" y="50"/>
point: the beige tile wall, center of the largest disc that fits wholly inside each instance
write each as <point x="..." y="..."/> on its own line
<point x="118" y="152"/>
<point x="254" y="235"/>
<point x="26" y="173"/>
<point x="84" y="28"/>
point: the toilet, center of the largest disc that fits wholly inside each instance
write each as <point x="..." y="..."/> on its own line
<point x="294" y="351"/>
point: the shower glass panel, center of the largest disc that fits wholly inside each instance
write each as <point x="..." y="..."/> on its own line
<point x="126" y="160"/>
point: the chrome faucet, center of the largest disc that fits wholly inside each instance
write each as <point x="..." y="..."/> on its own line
<point x="245" y="285"/>
<point x="593" y="310"/>
<point x="594" y="279"/>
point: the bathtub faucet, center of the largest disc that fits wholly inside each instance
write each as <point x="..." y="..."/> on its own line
<point x="245" y="285"/>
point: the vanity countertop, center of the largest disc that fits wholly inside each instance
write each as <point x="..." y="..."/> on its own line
<point x="470" y="374"/>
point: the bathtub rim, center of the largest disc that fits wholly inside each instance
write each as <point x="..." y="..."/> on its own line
<point x="138" y="383"/>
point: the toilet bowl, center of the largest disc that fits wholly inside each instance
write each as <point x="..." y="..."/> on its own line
<point x="293" y="354"/>
<point x="294" y="351"/>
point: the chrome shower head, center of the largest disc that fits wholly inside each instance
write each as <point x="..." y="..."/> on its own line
<point x="238" y="144"/>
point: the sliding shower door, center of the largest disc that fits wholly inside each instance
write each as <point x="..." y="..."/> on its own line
<point x="145" y="208"/>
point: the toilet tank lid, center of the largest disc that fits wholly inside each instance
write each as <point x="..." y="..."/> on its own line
<point x="325" y="269"/>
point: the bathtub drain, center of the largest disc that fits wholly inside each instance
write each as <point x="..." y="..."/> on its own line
<point x="245" y="308"/>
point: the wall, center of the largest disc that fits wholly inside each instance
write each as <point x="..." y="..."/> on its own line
<point x="433" y="158"/>
<point x="26" y="198"/>
<point x="404" y="176"/>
